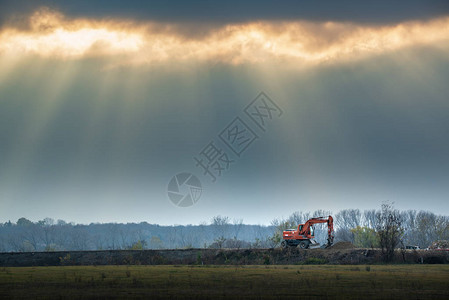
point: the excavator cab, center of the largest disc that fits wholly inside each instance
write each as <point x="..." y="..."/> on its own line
<point x="308" y="231"/>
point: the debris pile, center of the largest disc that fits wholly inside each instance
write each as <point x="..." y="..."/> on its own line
<point x="342" y="245"/>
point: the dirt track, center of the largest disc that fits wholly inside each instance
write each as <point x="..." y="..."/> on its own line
<point x="332" y="255"/>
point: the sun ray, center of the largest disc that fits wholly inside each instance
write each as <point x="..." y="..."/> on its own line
<point x="29" y="140"/>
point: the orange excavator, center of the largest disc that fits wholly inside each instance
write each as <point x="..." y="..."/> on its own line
<point x="302" y="237"/>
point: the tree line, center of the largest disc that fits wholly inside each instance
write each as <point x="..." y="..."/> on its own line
<point x="372" y="228"/>
<point x="51" y="235"/>
<point x="385" y="228"/>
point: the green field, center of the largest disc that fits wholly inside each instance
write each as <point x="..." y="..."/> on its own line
<point x="266" y="282"/>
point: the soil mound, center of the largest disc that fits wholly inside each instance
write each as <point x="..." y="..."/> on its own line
<point x="343" y="245"/>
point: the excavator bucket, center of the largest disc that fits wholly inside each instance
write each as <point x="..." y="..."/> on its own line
<point x="314" y="244"/>
<point x="329" y="244"/>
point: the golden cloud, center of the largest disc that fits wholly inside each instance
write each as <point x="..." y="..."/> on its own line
<point x="51" y="34"/>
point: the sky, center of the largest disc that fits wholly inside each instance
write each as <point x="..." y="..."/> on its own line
<point x="172" y="112"/>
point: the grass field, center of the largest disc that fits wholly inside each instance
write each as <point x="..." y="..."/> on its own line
<point x="245" y="282"/>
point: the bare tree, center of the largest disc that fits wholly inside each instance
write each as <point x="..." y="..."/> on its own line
<point x="47" y="233"/>
<point x="124" y="235"/>
<point x="99" y="241"/>
<point x="390" y="231"/>
<point x="79" y="238"/>
<point x="298" y="218"/>
<point x="16" y="242"/>
<point x="237" y="226"/>
<point x="370" y="218"/>
<point x="204" y="233"/>
<point x="172" y="237"/>
<point x="33" y="235"/>
<point x="220" y="226"/>
<point x="345" y="221"/>
<point x="112" y="236"/>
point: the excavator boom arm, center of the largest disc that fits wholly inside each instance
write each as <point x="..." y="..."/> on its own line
<point x="330" y="227"/>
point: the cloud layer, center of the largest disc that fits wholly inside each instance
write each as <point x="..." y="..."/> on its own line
<point x="51" y="34"/>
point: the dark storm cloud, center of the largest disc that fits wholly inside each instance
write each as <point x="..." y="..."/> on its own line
<point x="382" y="11"/>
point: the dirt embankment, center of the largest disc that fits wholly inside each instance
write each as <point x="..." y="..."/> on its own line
<point x="342" y="245"/>
<point x="340" y="253"/>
